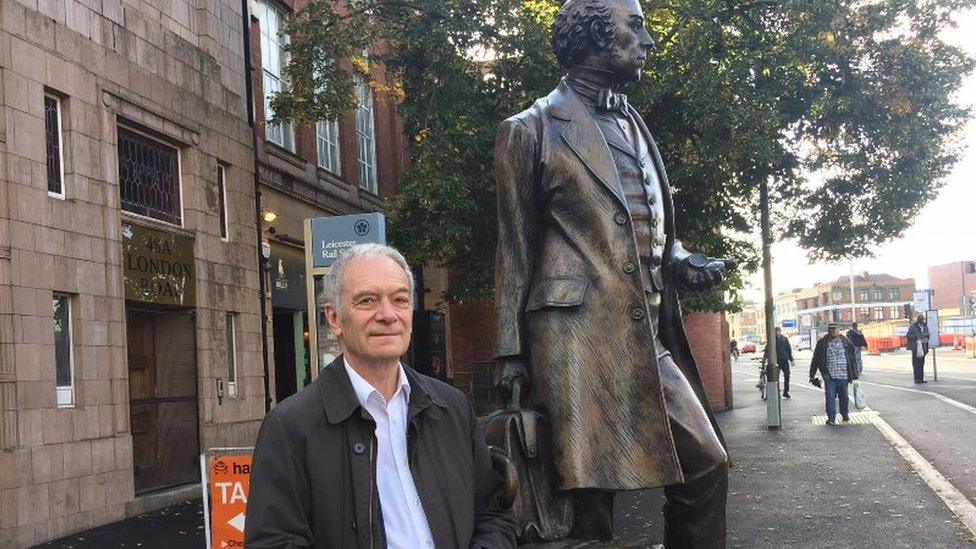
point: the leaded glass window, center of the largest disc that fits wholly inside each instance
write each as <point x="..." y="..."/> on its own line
<point x="52" y="134"/>
<point x="149" y="178"/>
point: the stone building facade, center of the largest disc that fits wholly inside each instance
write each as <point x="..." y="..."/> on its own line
<point x="128" y="256"/>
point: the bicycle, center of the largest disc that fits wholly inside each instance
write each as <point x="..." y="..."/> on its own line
<point x="761" y="385"/>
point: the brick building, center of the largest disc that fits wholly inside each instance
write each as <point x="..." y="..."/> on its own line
<point x="955" y="287"/>
<point x="877" y="298"/>
<point x="128" y="257"/>
<point x="330" y="168"/>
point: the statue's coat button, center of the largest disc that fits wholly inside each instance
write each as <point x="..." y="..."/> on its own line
<point x="359" y="448"/>
<point x="629" y="268"/>
<point x="638" y="314"/>
<point x="620" y="219"/>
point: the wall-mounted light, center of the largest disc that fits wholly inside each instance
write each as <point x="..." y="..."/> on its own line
<point x="269" y="216"/>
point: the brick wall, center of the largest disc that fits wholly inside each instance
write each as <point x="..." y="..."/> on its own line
<point x="951" y="282"/>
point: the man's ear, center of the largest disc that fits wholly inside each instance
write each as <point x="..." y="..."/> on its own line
<point x="332" y="317"/>
<point x="599" y="35"/>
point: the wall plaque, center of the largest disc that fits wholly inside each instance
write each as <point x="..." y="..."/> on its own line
<point x="158" y="266"/>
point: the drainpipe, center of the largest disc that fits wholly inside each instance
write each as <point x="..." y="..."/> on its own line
<point x="258" y="220"/>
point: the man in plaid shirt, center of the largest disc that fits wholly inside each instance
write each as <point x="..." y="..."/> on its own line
<point x="835" y="360"/>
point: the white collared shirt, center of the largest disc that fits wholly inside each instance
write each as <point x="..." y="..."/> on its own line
<point x="403" y="514"/>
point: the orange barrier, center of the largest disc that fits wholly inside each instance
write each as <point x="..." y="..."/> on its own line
<point x="878" y="345"/>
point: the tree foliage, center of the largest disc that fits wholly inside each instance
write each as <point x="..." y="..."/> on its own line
<point x="844" y="106"/>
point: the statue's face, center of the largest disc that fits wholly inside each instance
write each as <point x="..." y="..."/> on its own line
<point x="628" y="53"/>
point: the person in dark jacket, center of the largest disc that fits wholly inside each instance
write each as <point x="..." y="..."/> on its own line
<point x="856" y="337"/>
<point x="918" y="344"/>
<point x="372" y="453"/>
<point x="834" y="359"/>
<point x="784" y="359"/>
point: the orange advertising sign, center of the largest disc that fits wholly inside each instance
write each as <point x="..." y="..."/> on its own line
<point x="230" y="483"/>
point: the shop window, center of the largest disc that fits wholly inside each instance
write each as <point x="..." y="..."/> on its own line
<point x="231" y="335"/>
<point x="273" y="60"/>
<point x="222" y="198"/>
<point x="54" y="146"/>
<point x="327" y="138"/>
<point x="149" y="177"/>
<point x="366" y="136"/>
<point x="64" y="359"/>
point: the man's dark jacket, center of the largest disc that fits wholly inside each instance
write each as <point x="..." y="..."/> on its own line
<point x="313" y="481"/>
<point x="819" y="362"/>
<point x="784" y="351"/>
<point x="916" y="332"/>
<point x="856" y="338"/>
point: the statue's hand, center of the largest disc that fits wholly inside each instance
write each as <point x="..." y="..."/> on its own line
<point x="699" y="273"/>
<point x="509" y="370"/>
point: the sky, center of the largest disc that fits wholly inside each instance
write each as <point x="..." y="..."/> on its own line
<point x="944" y="232"/>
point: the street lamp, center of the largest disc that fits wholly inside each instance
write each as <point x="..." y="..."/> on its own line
<point x="774" y="419"/>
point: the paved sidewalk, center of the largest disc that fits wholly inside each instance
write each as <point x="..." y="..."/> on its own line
<point x="804" y="486"/>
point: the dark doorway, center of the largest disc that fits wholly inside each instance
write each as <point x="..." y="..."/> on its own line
<point x="290" y="352"/>
<point x="163" y="398"/>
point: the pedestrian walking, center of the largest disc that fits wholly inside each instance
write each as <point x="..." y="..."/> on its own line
<point x="372" y="453"/>
<point x="834" y="360"/>
<point x="918" y="344"/>
<point x="734" y="347"/>
<point x="856" y="337"/>
<point x="784" y="359"/>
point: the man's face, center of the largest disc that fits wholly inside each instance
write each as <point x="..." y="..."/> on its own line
<point x="832" y="332"/>
<point x="628" y="53"/>
<point x="920" y="319"/>
<point x="377" y="311"/>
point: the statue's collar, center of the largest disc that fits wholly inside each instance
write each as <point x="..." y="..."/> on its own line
<point x="589" y="83"/>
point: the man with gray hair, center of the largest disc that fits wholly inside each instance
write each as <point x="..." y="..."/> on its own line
<point x="372" y="453"/>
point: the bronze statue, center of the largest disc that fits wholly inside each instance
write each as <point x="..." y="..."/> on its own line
<point x="587" y="275"/>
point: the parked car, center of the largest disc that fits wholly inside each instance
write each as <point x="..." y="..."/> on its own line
<point x="747" y="348"/>
<point x="801" y="342"/>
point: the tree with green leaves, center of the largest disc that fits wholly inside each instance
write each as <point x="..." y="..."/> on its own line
<point x="844" y="106"/>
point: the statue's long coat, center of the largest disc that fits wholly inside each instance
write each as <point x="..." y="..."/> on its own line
<point x="568" y="306"/>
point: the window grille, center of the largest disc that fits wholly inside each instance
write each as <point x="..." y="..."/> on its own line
<point x="149" y="178"/>
<point x="52" y="134"/>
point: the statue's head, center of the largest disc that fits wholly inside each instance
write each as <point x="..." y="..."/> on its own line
<point x="606" y="34"/>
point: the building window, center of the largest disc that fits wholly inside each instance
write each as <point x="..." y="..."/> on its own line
<point x="878" y="313"/>
<point x="327" y="137"/>
<point x="64" y="359"/>
<point x="838" y="296"/>
<point x="892" y="312"/>
<point x="222" y="198"/>
<point x="149" y="178"/>
<point x="54" y="148"/>
<point x="893" y="294"/>
<point x="231" y="334"/>
<point x="878" y="294"/>
<point x="863" y="294"/>
<point x="273" y="60"/>
<point x="366" y="135"/>
<point x="865" y="312"/>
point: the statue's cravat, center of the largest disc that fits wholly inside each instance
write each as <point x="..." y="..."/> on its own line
<point x="600" y="97"/>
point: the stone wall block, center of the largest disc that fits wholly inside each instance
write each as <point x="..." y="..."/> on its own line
<point x="57" y="425"/>
<point x="103" y="455"/>
<point x="78" y="459"/>
<point x="91" y="490"/>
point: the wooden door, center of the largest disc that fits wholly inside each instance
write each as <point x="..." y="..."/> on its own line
<point x="163" y="399"/>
